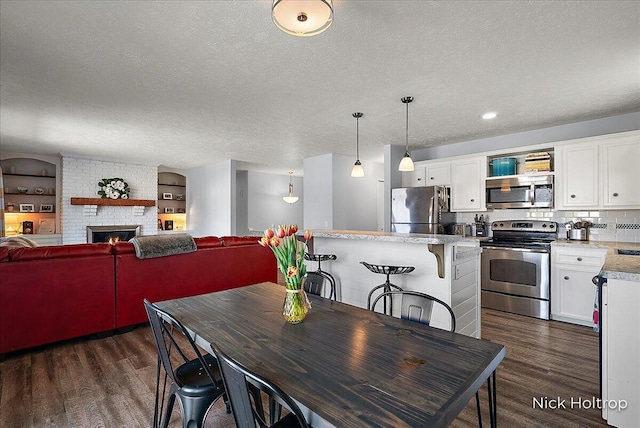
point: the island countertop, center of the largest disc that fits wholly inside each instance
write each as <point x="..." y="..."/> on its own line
<point x="615" y="265"/>
<point x="416" y="238"/>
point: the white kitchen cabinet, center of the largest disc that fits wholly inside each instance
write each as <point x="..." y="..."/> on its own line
<point x="572" y="291"/>
<point x="599" y="173"/>
<point x="621" y="166"/>
<point x="621" y="352"/>
<point x="438" y="174"/>
<point x="414" y="178"/>
<point x="467" y="184"/>
<point x="577" y="176"/>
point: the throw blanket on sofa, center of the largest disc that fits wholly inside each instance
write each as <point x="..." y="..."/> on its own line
<point x="148" y="247"/>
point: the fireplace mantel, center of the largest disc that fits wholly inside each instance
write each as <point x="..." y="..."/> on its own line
<point x="91" y="204"/>
<point x="114" y="202"/>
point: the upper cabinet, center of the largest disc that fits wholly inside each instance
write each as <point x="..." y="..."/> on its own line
<point x="467" y="184"/>
<point x="599" y="173"/>
<point x="414" y="178"/>
<point x="621" y="180"/>
<point x="437" y="174"/>
<point x="577" y="177"/>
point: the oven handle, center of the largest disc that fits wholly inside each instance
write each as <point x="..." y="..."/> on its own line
<point x="520" y="250"/>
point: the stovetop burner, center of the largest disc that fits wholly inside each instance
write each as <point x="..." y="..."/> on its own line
<point x="522" y="234"/>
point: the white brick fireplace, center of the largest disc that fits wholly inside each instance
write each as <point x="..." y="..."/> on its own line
<point x="80" y="178"/>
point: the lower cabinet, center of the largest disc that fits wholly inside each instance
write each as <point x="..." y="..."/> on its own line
<point x="573" y="294"/>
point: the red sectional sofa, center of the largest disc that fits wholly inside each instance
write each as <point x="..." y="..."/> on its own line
<point x="48" y="294"/>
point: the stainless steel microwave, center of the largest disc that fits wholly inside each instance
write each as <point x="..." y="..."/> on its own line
<point x="520" y="192"/>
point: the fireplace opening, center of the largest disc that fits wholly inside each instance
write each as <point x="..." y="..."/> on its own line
<point x="112" y="234"/>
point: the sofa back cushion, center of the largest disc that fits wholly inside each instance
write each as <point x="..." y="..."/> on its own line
<point x="208" y="242"/>
<point x="233" y="241"/>
<point x="4" y="254"/>
<point x="59" y="251"/>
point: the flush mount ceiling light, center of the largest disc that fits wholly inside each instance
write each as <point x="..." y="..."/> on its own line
<point x="489" y="115"/>
<point x="357" y="170"/>
<point x="406" y="164"/>
<point x="302" y="18"/>
<point x="290" y="199"/>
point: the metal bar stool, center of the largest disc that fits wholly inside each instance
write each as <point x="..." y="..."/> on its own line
<point x="322" y="258"/>
<point x="386" y="270"/>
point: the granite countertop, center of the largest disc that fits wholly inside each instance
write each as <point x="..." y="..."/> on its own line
<point x="615" y="265"/>
<point x="414" y="238"/>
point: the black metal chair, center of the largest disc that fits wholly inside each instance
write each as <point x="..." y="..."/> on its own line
<point x="241" y="384"/>
<point x="196" y="382"/>
<point x="314" y="283"/>
<point x="387" y="286"/>
<point x="418" y="307"/>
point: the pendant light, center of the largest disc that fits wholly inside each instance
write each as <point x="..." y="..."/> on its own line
<point x="290" y="199"/>
<point x="357" y="170"/>
<point x="302" y="18"/>
<point x="406" y="164"/>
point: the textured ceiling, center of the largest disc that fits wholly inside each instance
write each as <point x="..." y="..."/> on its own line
<point x="184" y="84"/>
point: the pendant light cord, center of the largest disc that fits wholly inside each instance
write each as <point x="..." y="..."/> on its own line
<point x="358" y="138"/>
<point x="407" y="129"/>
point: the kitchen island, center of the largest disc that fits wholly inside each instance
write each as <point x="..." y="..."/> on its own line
<point x="620" y="323"/>
<point x="446" y="267"/>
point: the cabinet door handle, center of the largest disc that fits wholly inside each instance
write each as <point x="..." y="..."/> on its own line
<point x="566" y="277"/>
<point x="615" y="195"/>
<point x="472" y="200"/>
<point x="579" y="259"/>
<point x="573" y="196"/>
<point x="419" y="179"/>
<point x="431" y="178"/>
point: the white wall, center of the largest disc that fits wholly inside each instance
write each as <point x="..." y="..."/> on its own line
<point x="242" y="203"/>
<point x="392" y="178"/>
<point x="80" y="178"/>
<point x="211" y="203"/>
<point x="265" y="205"/>
<point x="335" y="200"/>
<point x="355" y="200"/>
<point x="318" y="186"/>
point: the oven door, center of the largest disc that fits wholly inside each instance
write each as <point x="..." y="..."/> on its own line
<point x="516" y="271"/>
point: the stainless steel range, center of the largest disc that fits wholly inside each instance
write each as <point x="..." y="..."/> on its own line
<point x="516" y="267"/>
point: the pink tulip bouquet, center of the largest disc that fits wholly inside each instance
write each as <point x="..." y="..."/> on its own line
<point x="289" y="252"/>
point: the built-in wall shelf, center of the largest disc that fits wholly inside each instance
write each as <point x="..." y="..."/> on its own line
<point x="114" y="202"/>
<point x="528" y="174"/>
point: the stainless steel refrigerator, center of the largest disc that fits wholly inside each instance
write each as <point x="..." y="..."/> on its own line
<point x="420" y="209"/>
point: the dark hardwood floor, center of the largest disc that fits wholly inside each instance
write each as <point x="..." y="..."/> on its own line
<point x="110" y="382"/>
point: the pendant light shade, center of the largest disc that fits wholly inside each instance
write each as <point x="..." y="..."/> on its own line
<point x="357" y="170"/>
<point x="406" y="164"/>
<point x="290" y="198"/>
<point x="302" y="18"/>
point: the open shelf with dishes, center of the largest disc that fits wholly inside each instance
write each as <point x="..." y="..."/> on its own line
<point x="172" y="202"/>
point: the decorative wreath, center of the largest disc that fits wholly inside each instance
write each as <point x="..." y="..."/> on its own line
<point x="113" y="188"/>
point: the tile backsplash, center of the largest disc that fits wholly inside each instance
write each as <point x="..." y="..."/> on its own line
<point x="612" y="226"/>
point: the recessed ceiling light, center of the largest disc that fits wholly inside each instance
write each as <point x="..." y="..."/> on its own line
<point x="489" y="115"/>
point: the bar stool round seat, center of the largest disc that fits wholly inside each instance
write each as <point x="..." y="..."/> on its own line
<point x="315" y="287"/>
<point x="387" y="286"/>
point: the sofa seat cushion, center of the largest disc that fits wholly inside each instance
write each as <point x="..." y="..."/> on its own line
<point x="59" y="252"/>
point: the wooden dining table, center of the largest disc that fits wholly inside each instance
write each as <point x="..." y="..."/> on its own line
<point x="345" y="366"/>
